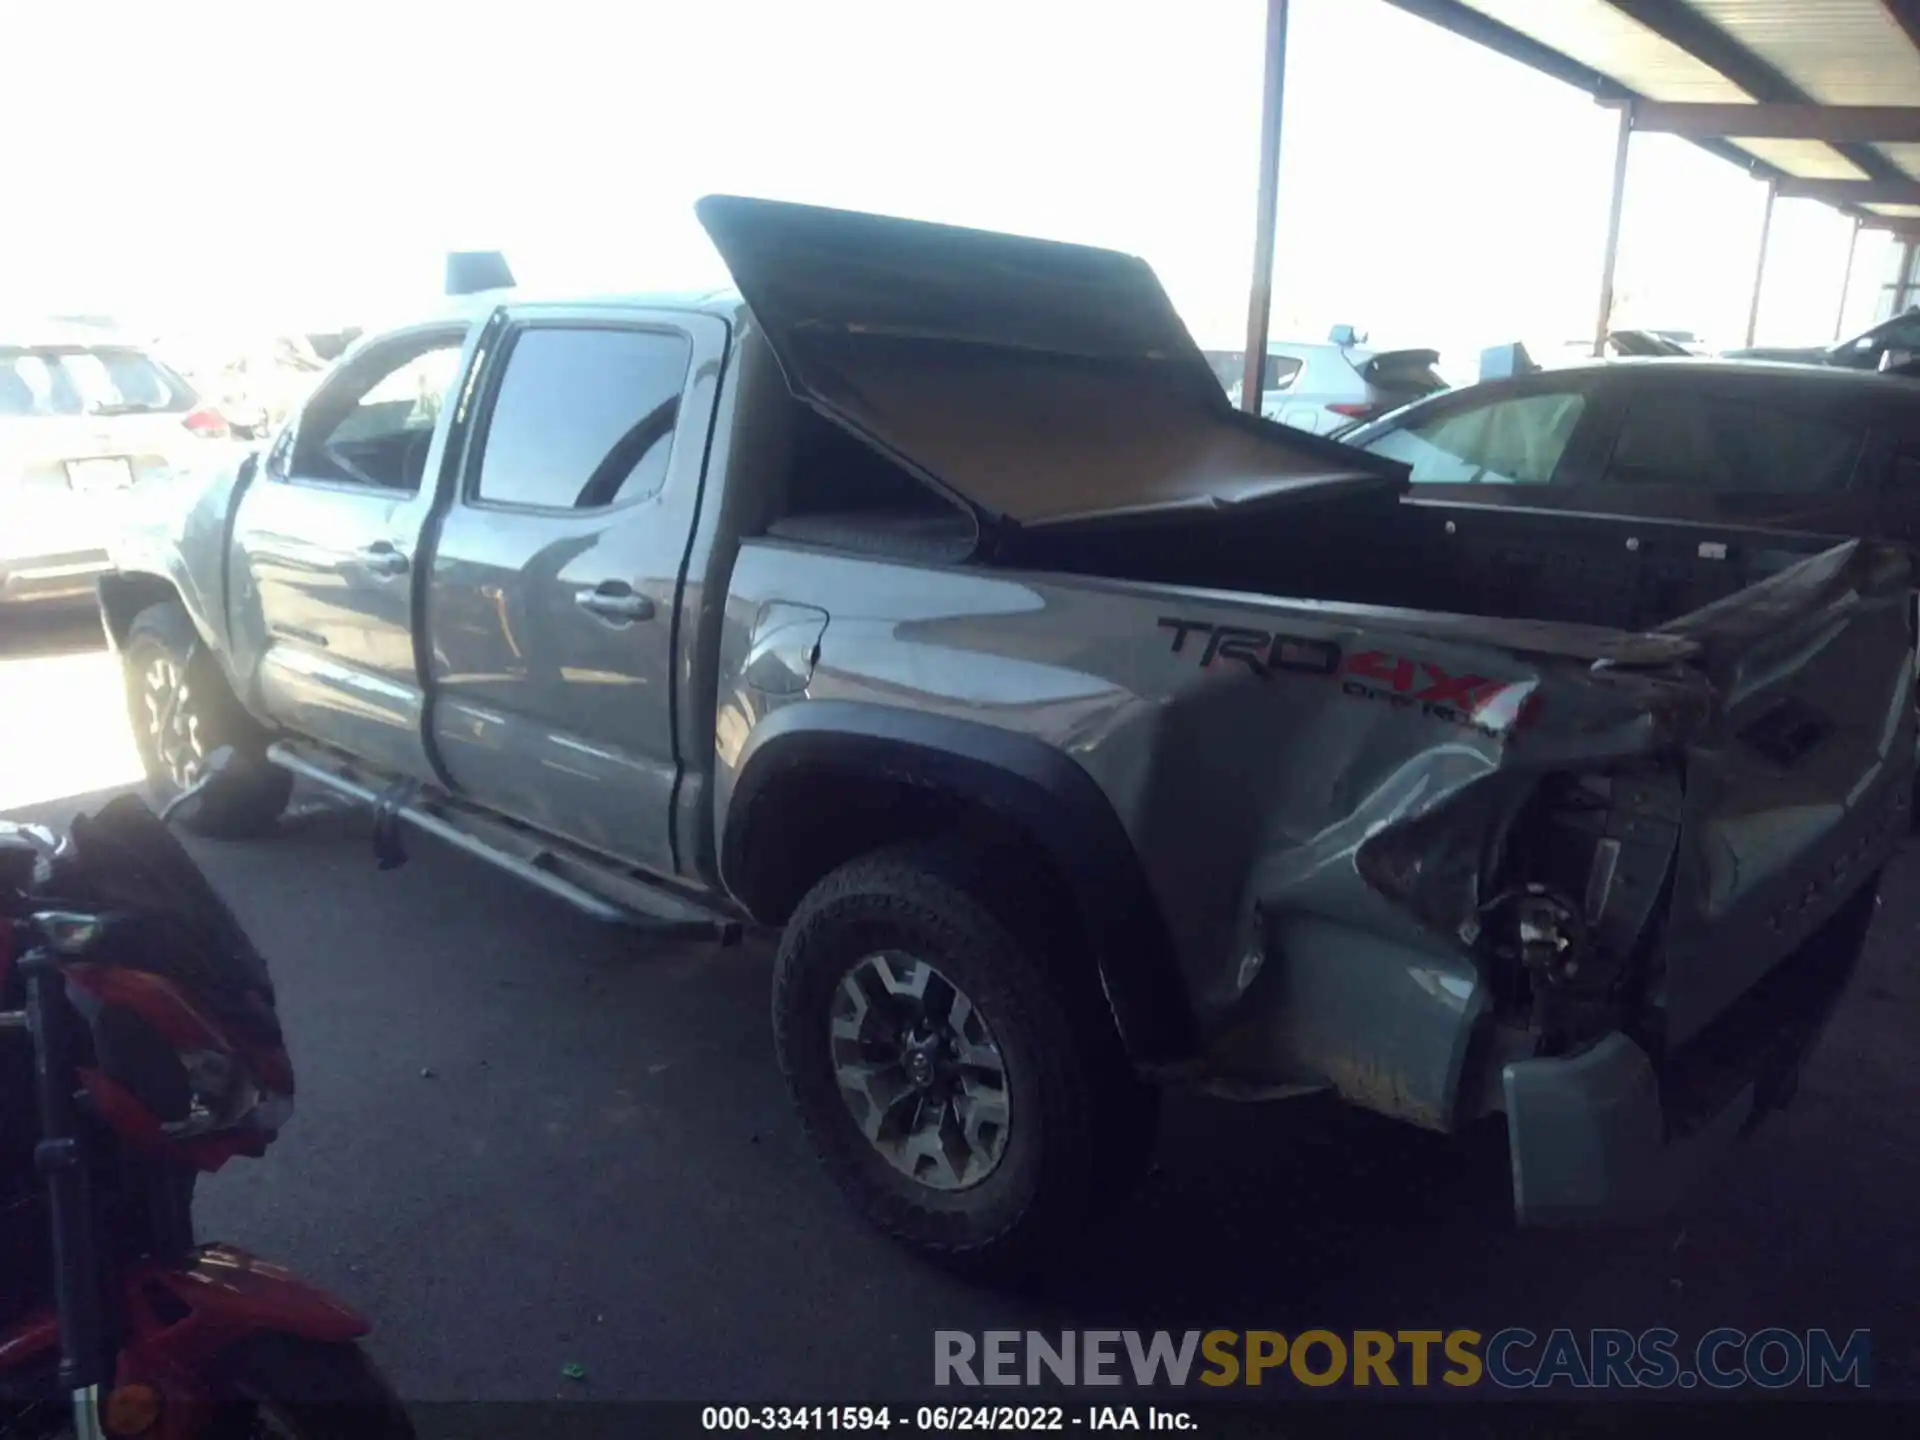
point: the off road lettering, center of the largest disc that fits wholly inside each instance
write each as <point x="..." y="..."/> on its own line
<point x="1406" y="677"/>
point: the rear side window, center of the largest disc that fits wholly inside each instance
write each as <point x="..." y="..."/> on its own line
<point x="583" y="418"/>
<point x="81" y="380"/>
<point x="1705" y="442"/>
<point x="1282" y="371"/>
<point x="1517" y="441"/>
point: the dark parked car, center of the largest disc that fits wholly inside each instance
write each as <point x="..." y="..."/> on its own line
<point x="1896" y="339"/>
<point x="1821" y="450"/>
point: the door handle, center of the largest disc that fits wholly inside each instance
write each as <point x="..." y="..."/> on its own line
<point x="383" y="559"/>
<point x="614" y="600"/>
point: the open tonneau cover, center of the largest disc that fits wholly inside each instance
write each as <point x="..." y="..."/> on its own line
<point x="1038" y="383"/>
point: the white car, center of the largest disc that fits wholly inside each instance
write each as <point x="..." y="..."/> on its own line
<point x="84" y="417"/>
<point x="1330" y="385"/>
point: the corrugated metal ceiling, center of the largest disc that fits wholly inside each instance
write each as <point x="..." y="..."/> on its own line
<point x="1618" y="46"/>
<point x="1836" y="52"/>
<point x="1841" y="52"/>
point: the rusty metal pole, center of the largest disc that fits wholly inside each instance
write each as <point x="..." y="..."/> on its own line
<point x="1760" y="265"/>
<point x="1260" y="297"/>
<point x="1604" y="320"/>
<point x="1846" y="280"/>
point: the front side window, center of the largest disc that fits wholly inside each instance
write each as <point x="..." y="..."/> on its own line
<point x="373" y="424"/>
<point x="1703" y="442"/>
<point x="584" y="418"/>
<point x="1517" y="441"/>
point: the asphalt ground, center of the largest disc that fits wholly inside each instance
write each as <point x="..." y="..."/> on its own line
<point x="526" y="1143"/>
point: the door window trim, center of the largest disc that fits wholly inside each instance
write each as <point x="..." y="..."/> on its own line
<point x="420" y="339"/>
<point x="500" y="358"/>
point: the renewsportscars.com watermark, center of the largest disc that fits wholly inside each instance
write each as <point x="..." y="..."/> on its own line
<point x="1513" y="1359"/>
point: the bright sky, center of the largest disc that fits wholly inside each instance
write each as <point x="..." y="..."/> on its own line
<point x="312" y="162"/>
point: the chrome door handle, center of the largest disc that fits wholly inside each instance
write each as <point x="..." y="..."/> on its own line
<point x="614" y="600"/>
<point x="381" y="558"/>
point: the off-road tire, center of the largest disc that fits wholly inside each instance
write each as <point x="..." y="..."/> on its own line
<point x="1082" y="1124"/>
<point x="248" y="797"/>
<point x="313" y="1389"/>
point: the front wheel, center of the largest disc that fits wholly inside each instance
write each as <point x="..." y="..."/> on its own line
<point x="182" y="711"/>
<point x="297" y="1389"/>
<point x="952" y="1060"/>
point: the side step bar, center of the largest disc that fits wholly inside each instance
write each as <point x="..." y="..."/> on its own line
<point x="588" y="882"/>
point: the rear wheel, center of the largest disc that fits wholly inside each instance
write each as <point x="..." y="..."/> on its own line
<point x="182" y="711"/>
<point x="952" y="1060"/>
<point x="295" y="1389"/>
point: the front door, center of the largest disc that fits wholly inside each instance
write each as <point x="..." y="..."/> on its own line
<point x="324" y="544"/>
<point x="557" y="572"/>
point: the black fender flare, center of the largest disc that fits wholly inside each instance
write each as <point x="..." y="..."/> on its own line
<point x="1018" y="779"/>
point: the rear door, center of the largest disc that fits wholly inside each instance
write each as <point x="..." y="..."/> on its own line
<point x="1758" y="450"/>
<point x="556" y="573"/>
<point x="325" y="542"/>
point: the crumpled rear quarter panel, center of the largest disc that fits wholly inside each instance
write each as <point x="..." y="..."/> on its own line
<point x="1246" y="789"/>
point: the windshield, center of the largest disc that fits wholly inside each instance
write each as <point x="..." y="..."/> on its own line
<point x="91" y="380"/>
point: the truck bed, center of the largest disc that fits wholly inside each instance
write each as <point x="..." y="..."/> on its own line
<point x="1629" y="574"/>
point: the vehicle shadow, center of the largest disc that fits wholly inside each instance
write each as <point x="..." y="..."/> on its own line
<point x="1289" y="1210"/>
<point x="321" y="814"/>
<point x="37" y="634"/>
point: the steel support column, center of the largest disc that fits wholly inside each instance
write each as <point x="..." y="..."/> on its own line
<point x="1260" y="297"/>
<point x="1760" y="266"/>
<point x="1846" y="281"/>
<point x="1603" y="322"/>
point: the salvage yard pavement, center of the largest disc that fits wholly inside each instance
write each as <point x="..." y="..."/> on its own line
<point x="548" y="1159"/>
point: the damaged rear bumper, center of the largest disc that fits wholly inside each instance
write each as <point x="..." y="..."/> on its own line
<point x="1609" y="1134"/>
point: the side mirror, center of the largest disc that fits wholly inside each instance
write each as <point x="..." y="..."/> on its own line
<point x="1346" y="335"/>
<point x="1899" y="362"/>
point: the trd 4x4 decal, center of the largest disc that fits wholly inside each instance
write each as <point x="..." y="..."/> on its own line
<point x="1261" y="651"/>
<point x="1466" y="700"/>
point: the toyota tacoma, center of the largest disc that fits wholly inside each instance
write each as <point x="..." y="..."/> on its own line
<point x="927" y="601"/>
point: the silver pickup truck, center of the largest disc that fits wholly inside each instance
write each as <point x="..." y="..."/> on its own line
<point x="927" y="601"/>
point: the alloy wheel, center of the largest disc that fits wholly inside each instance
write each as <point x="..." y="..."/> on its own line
<point x="920" y="1071"/>
<point x="173" y="729"/>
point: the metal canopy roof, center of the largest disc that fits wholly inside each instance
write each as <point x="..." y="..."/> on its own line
<point x="1831" y="56"/>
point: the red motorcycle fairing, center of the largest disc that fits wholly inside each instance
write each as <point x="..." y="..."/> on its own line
<point x="162" y="1007"/>
<point x="167" y="1009"/>
<point x="180" y="1319"/>
<point x="32" y="1338"/>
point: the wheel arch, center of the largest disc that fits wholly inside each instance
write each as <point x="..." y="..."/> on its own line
<point x="823" y="782"/>
<point x="123" y="594"/>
